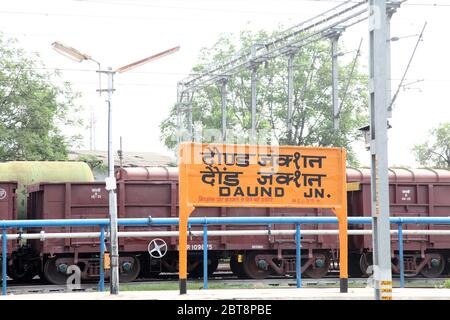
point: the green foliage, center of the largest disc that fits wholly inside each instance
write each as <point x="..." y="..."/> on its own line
<point x="435" y="152"/>
<point x="447" y="284"/>
<point x="192" y="285"/>
<point x="172" y="164"/>
<point x="312" y="115"/>
<point x="93" y="162"/>
<point x="32" y="108"/>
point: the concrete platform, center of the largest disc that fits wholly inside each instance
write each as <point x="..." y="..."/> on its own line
<point x="243" y="294"/>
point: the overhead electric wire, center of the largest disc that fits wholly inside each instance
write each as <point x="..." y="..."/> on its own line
<point x="287" y="39"/>
<point x="142" y="4"/>
<point x="95" y="70"/>
<point x="408" y="3"/>
<point x="350" y="77"/>
<point x="436" y="5"/>
<point x="47" y="14"/>
<point x="407" y="67"/>
<point x="133" y="4"/>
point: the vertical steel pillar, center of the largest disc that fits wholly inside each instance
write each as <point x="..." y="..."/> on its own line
<point x="392" y="7"/>
<point x="388" y="65"/>
<point x="400" y="255"/>
<point x="91" y="131"/>
<point x="101" y="285"/>
<point x="298" y="257"/>
<point x="379" y="153"/>
<point x="254" y="70"/>
<point x="335" y="79"/>
<point x="111" y="186"/>
<point x="4" y="259"/>
<point x="189" y="117"/>
<point x="178" y="106"/>
<point x="223" y="93"/>
<point x="253" y="104"/>
<point x="333" y="34"/>
<point x="205" y="256"/>
<point x="178" y="123"/>
<point x="290" y="95"/>
<point x="189" y="120"/>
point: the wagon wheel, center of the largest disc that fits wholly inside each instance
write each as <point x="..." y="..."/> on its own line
<point x="435" y="267"/>
<point x="52" y="274"/>
<point x="365" y="261"/>
<point x="354" y="270"/>
<point x="237" y="268"/>
<point x="319" y="267"/>
<point x="255" y="269"/>
<point x="21" y="272"/>
<point x="129" y="268"/>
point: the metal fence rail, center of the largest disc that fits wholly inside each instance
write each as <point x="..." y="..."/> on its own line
<point x="103" y="223"/>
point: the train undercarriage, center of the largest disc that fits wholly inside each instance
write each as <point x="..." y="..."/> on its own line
<point x="249" y="264"/>
<point x="430" y="264"/>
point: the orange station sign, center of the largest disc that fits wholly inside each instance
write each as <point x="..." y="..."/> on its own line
<point x="261" y="176"/>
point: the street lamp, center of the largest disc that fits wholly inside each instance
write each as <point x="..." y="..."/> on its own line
<point x="110" y="181"/>
<point x="77" y="56"/>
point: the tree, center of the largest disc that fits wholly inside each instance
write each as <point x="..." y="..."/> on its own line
<point x="93" y="162"/>
<point x="312" y="116"/>
<point x="32" y="108"/>
<point x="435" y="153"/>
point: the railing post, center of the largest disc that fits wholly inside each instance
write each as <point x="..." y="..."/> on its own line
<point x="4" y="258"/>
<point x="298" y="266"/>
<point x="205" y="256"/>
<point x="400" y="254"/>
<point x="101" y="285"/>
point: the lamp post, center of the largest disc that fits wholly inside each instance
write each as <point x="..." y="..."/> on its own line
<point x="77" y="56"/>
<point x="110" y="181"/>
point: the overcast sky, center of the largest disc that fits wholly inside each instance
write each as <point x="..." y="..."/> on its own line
<point x="117" y="32"/>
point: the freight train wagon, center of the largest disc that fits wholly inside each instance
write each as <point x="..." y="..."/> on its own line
<point x="144" y="192"/>
<point x="13" y="199"/>
<point x="8" y="207"/>
<point x="155" y="194"/>
<point x="412" y="193"/>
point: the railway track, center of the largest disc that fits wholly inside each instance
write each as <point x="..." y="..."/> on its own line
<point x="36" y="286"/>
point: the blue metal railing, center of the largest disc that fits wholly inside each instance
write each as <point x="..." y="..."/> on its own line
<point x="4" y="258"/>
<point x="103" y="223"/>
<point x="205" y="256"/>
<point x="400" y="255"/>
<point x="101" y="283"/>
<point x="298" y="264"/>
<point x="211" y="220"/>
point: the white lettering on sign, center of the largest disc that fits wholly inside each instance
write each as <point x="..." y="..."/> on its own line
<point x="406" y="195"/>
<point x="96" y="193"/>
<point x="3" y="194"/>
<point x="197" y="247"/>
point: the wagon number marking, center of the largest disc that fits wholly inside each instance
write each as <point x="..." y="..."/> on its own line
<point x="406" y="195"/>
<point x="96" y="193"/>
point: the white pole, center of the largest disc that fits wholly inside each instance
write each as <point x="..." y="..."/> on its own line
<point x="379" y="149"/>
<point x="110" y="186"/>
